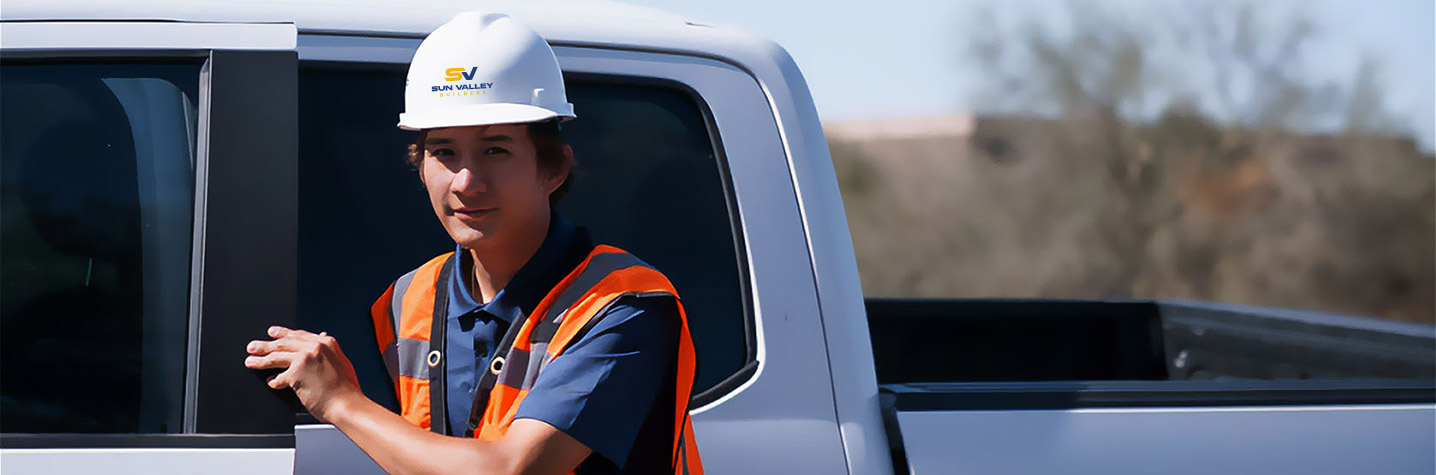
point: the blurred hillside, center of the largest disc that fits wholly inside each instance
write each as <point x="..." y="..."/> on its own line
<point x="1089" y="207"/>
<point x="1186" y="151"/>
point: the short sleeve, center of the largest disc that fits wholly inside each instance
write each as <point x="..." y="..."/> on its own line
<point x="600" y="390"/>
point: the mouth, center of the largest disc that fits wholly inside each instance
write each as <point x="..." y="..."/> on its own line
<point x="472" y="213"/>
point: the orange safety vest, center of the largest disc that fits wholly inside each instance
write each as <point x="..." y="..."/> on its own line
<point x="564" y="315"/>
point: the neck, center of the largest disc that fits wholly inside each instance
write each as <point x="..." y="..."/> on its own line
<point x="495" y="266"/>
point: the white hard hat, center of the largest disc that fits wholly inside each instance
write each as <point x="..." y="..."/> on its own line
<point x="483" y="69"/>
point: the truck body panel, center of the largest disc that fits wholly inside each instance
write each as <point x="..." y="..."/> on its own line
<point x="136" y="461"/>
<point x="1370" y="439"/>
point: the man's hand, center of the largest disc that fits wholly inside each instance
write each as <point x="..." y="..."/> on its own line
<point x="314" y="367"/>
<point x="325" y="382"/>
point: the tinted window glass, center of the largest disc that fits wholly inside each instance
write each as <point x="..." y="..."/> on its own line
<point x="95" y="213"/>
<point x="363" y="217"/>
<point x="647" y="181"/>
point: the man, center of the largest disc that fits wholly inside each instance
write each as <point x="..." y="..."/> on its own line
<point x="528" y="349"/>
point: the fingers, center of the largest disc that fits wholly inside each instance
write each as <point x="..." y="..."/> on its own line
<point x="281" y="380"/>
<point x="291" y="347"/>
<point x="279" y="359"/>
<point x="301" y="355"/>
<point x="291" y="342"/>
<point x="285" y="339"/>
<point x="261" y="347"/>
<point x="278" y="332"/>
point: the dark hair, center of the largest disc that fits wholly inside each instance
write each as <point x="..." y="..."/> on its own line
<point x="548" y="146"/>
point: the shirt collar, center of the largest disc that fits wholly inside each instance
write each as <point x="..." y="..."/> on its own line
<point x="563" y="249"/>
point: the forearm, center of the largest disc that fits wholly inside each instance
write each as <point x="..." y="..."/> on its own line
<point x="318" y="372"/>
<point x="402" y="448"/>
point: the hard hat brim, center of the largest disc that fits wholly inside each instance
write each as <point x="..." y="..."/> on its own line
<point x="481" y="114"/>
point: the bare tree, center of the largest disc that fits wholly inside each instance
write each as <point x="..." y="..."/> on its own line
<point x="1171" y="155"/>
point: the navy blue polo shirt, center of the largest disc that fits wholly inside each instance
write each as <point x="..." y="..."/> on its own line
<point x="611" y="390"/>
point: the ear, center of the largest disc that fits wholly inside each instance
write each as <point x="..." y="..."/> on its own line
<point x="557" y="178"/>
<point x="417" y="156"/>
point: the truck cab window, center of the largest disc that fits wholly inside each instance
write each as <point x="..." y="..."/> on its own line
<point x="647" y="180"/>
<point x="95" y="229"/>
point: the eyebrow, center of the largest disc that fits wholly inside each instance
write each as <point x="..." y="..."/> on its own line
<point x="490" y="138"/>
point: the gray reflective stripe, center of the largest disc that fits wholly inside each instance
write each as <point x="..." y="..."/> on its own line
<point x="516" y="363"/>
<point x="536" y="362"/>
<point x="396" y="307"/>
<point x="391" y="361"/>
<point x="599" y="266"/>
<point x="521" y="368"/>
<point x="543" y="363"/>
<point x="412" y="354"/>
<point x="532" y="367"/>
<point x="397" y="354"/>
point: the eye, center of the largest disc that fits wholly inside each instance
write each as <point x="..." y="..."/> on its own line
<point x="441" y="153"/>
<point x="495" y="151"/>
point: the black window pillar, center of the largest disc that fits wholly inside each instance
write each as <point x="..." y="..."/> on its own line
<point x="246" y="235"/>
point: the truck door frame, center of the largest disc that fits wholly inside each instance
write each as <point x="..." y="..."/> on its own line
<point x="784" y="391"/>
<point x="242" y="254"/>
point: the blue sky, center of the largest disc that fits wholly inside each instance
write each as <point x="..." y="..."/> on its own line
<point x="866" y="60"/>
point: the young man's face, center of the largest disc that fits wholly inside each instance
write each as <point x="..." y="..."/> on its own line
<point x="484" y="180"/>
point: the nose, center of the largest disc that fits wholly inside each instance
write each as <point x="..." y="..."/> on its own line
<point x="466" y="182"/>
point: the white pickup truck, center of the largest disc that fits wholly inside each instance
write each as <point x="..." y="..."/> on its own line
<point x="178" y="175"/>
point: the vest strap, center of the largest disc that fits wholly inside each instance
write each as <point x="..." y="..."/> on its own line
<point x="436" y="357"/>
<point x="490" y="377"/>
<point x="599" y="267"/>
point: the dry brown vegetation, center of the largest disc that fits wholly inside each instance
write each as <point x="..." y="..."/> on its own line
<point x="1226" y="205"/>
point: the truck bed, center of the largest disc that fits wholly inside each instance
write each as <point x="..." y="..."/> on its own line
<point x="1039" y="386"/>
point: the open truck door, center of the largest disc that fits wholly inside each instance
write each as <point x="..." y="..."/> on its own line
<point x="149" y="232"/>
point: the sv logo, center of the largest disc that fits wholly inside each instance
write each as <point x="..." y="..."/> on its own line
<point x="455" y="74"/>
